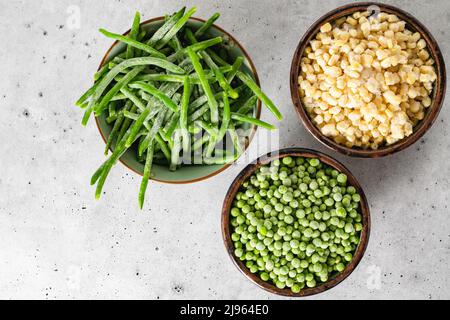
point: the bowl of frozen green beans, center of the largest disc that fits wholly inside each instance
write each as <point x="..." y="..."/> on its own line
<point x="176" y="98"/>
<point x="296" y="222"/>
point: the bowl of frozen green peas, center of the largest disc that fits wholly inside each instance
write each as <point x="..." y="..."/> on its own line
<point x="296" y="222"/>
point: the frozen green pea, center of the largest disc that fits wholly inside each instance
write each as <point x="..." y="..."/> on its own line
<point x="287" y="160"/>
<point x="329" y="202"/>
<point x="288" y="219"/>
<point x="314" y="162"/>
<point x="341" y="178"/>
<point x="340" y="267"/>
<point x="264" y="276"/>
<point x="337" y="197"/>
<point x="356" y="197"/>
<point x="303" y="187"/>
<point x="341" y="212"/>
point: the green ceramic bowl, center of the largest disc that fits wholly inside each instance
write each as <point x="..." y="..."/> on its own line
<point x="191" y="173"/>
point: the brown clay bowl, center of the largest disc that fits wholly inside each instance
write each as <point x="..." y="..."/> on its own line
<point x="438" y="93"/>
<point x="246" y="173"/>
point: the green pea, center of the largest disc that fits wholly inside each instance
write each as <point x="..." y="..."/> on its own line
<point x="287" y="160"/>
<point x="311" y="283"/>
<point x="340" y="267"/>
<point x="288" y="219"/>
<point x="341" y="178"/>
<point x="337" y="197"/>
<point x="238" y="253"/>
<point x="306" y="203"/>
<point x="329" y="202"/>
<point x="313" y="185"/>
<point x="356" y="197"/>
<point x="303" y="187"/>
<point x="314" y="162"/>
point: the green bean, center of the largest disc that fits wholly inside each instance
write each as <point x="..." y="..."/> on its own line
<point x="118" y="97"/>
<point x="98" y="173"/>
<point x="208" y="128"/>
<point x="112" y="108"/>
<point x="200" y="142"/>
<point x="243" y="99"/>
<point x="100" y="178"/>
<point x="201" y="74"/>
<point x="171" y="78"/>
<point x="213" y="139"/>
<point x="199" y="46"/>
<point x="111" y="119"/>
<point x="205" y="27"/>
<point x="248" y="106"/>
<point x="118" y="152"/>
<point x="217" y="59"/>
<point x="136" y="127"/>
<point x="114" y="62"/>
<point x="161" y="77"/>
<point x="86" y="115"/>
<point x="226" y="117"/>
<point x="223" y="128"/>
<point x="198" y="113"/>
<point x="173" y="31"/>
<point x="175" y="151"/>
<point x="156" y="93"/>
<point x="109" y="77"/>
<point x="164" y="148"/>
<point x="158" y="35"/>
<point x="235" y="138"/>
<point x="142" y="35"/>
<point x="86" y="95"/>
<point x="184" y="113"/>
<point x="200" y="101"/>
<point x="116" y="127"/>
<point x="131" y="115"/>
<point x="125" y="125"/>
<point x="261" y="95"/>
<point x="146" y="176"/>
<point x="152" y="133"/>
<point x="220" y="160"/>
<point x="134" y="43"/>
<point x="254" y="121"/>
<point x="203" y="45"/>
<point x="83" y="105"/>
<point x="219" y="76"/>
<point x="130" y="95"/>
<point x="170" y="127"/>
<point x="236" y="66"/>
<point x="100" y="73"/>
<point x="116" y="88"/>
<point x="133" y="35"/>
<point x="225" y="85"/>
<point x="177" y="43"/>
<point x="169" y="89"/>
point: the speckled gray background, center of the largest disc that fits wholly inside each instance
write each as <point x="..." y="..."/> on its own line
<point x="56" y="241"/>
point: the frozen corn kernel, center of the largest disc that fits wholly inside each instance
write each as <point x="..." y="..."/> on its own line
<point x="366" y="81"/>
<point x="325" y="28"/>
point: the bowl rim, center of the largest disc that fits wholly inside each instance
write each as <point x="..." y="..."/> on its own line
<point x="439" y="88"/>
<point x="247" y="172"/>
<point x="248" y="139"/>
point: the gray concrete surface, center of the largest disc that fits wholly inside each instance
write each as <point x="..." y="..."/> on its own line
<point x="57" y="242"/>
